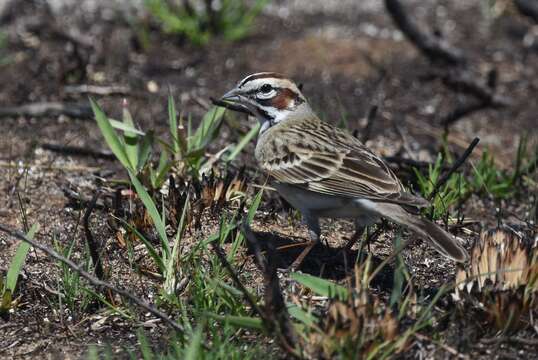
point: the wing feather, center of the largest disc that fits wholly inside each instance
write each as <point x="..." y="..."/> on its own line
<point x="332" y="163"/>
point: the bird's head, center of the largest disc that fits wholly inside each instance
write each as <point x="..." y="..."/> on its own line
<point x="270" y="96"/>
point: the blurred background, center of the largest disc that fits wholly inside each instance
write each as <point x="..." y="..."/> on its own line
<point x="349" y="55"/>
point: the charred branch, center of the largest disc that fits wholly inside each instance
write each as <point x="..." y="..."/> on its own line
<point x="370" y="118"/>
<point x="78" y="151"/>
<point x="275" y="310"/>
<point x="462" y="111"/>
<point x="248" y="297"/>
<point x="528" y="8"/>
<point x="92" y="244"/>
<point x="463" y="81"/>
<point x="455" y="74"/>
<point x="92" y="279"/>
<point x="434" y="48"/>
<point x="454" y="167"/>
<point x="49" y="109"/>
<point x="97" y="89"/>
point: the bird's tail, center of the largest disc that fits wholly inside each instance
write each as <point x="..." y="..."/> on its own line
<point x="442" y="241"/>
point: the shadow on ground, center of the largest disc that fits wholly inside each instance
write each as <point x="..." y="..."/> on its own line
<point x="334" y="263"/>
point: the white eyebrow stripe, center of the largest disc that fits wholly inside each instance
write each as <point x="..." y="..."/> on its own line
<point x="261" y="75"/>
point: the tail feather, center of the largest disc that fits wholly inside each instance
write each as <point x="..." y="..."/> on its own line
<point x="442" y="241"/>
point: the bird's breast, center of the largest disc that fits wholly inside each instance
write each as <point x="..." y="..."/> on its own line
<point x="321" y="205"/>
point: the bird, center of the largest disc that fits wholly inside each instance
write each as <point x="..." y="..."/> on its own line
<point x="324" y="171"/>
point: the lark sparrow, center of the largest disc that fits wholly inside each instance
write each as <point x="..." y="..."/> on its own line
<point x="323" y="171"/>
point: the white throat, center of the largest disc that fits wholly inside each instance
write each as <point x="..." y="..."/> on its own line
<point x="281" y="115"/>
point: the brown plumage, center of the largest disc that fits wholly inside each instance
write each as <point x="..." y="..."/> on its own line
<point x="323" y="171"/>
<point x="329" y="160"/>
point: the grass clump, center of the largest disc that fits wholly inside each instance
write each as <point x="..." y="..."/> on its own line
<point x="5" y="58"/>
<point x="484" y="178"/>
<point x="182" y="152"/>
<point x="231" y="19"/>
<point x="202" y="293"/>
<point x="9" y="283"/>
<point x="72" y="291"/>
<point x="164" y="215"/>
<point x="353" y="322"/>
<point x="449" y="194"/>
<point x="184" y="155"/>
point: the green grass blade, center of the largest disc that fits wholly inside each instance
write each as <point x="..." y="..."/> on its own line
<point x="145" y="347"/>
<point x="303" y="316"/>
<point x="18" y="260"/>
<point x="321" y="286"/>
<point x="169" y="283"/>
<point x="130" y="139"/>
<point x="208" y="127"/>
<point x="172" y="121"/>
<point x="153" y="212"/>
<point x="163" y="169"/>
<point x="93" y="353"/>
<point x="144" y="150"/>
<point x="5" y="301"/>
<point x="195" y="345"/>
<point x="120" y="125"/>
<point x="254" y="206"/>
<point x="246" y="322"/>
<point x="190" y="144"/>
<point x="243" y="142"/>
<point x="114" y="308"/>
<point x="154" y="253"/>
<point x="110" y="136"/>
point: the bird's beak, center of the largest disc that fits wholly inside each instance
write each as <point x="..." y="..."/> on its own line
<point x="231" y="96"/>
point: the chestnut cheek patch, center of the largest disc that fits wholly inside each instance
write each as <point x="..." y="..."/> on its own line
<point x="281" y="101"/>
<point x="286" y="99"/>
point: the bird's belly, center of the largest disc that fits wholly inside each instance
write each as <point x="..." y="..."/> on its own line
<point x="321" y="205"/>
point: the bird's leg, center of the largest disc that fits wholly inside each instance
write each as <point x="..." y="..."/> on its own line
<point x="315" y="232"/>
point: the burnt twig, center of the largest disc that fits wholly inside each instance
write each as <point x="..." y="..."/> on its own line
<point x="79" y="201"/>
<point x="188" y="8"/>
<point x="463" y="81"/>
<point x="457" y="77"/>
<point x="510" y="339"/>
<point x="248" y="297"/>
<point x="401" y="161"/>
<point x="462" y="111"/>
<point x="276" y="311"/>
<point x="78" y="151"/>
<point x="454" y="167"/>
<point x="52" y="109"/>
<point x="434" y="48"/>
<point x="92" y="279"/>
<point x="370" y="118"/>
<point x="92" y="245"/>
<point x="212" y="16"/>
<point x="97" y="90"/>
<point x="528" y="8"/>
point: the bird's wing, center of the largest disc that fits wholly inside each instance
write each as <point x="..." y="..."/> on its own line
<point x="330" y="161"/>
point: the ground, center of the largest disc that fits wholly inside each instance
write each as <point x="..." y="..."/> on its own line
<point x="348" y="56"/>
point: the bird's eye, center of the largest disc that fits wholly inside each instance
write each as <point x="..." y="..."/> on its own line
<point x="266" y="88"/>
